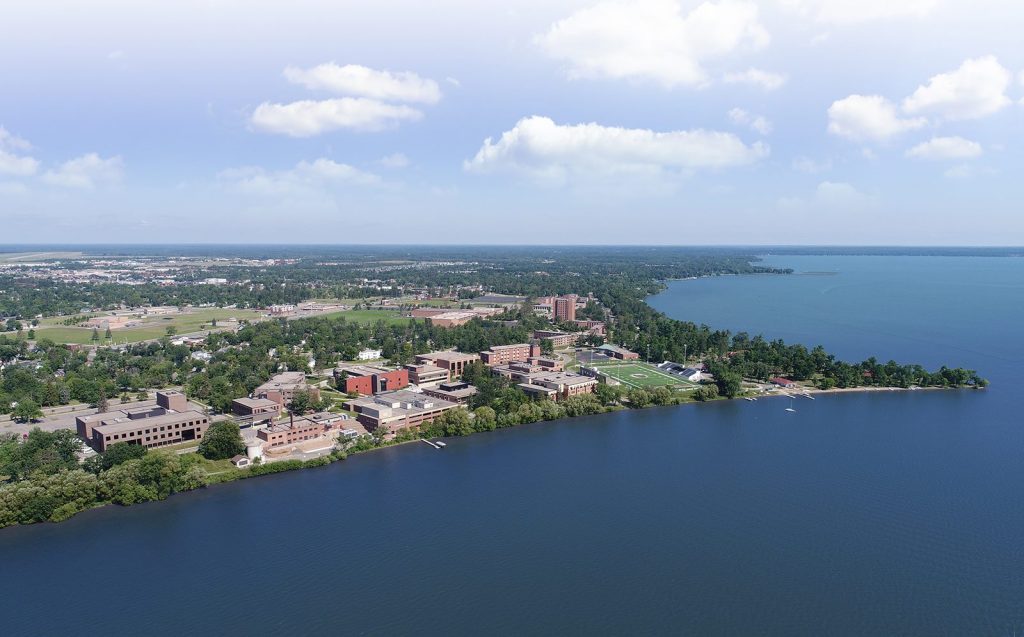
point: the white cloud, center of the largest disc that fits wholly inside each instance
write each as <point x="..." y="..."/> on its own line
<point x="361" y="81"/>
<point x="830" y="196"/>
<point x="858" y="11"/>
<point x="756" y="77"/>
<point x="11" y="164"/>
<point x="87" y="171"/>
<point x="13" y="188"/>
<point x="755" y="122"/>
<point x="652" y="39"/>
<point x="305" y="178"/>
<point x="551" y="152"/>
<point x="453" y="81"/>
<point x="868" y="118"/>
<point x="941" y="148"/>
<point x="810" y="166"/>
<point x="976" y="89"/>
<point x="307" y="118"/>
<point x="394" y="160"/>
<point x="12" y="142"/>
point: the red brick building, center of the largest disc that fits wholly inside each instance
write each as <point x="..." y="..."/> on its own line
<point x="368" y="380"/>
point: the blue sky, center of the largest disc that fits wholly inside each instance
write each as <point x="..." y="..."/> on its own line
<point x="651" y="122"/>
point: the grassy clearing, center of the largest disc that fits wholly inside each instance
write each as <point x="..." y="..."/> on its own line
<point x="151" y="327"/>
<point x="642" y="375"/>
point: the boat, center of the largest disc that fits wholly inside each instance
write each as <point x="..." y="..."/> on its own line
<point x="440" y="444"/>
<point x="749" y="398"/>
<point x="790" y="408"/>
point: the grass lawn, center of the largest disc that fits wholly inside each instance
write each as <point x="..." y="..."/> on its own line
<point x="152" y="327"/>
<point x="642" y="375"/>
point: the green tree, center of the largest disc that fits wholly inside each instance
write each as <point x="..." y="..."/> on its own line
<point x="222" y="440"/>
<point x="115" y="454"/>
<point x="31" y="335"/>
<point x="705" y="393"/>
<point x="484" y="418"/>
<point x="454" y="422"/>
<point x="95" y="335"/>
<point x="729" y="383"/>
<point x="108" y="335"/>
<point x="301" y="402"/>
<point x="26" y="410"/>
<point x="171" y="330"/>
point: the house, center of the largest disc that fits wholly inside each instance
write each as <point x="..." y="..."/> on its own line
<point x="369" y="354"/>
<point x="240" y="461"/>
<point x="782" y="382"/>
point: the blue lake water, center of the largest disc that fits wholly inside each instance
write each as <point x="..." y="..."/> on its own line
<point x="895" y="513"/>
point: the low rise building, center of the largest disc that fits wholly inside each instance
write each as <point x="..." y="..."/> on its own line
<point x="558" y="385"/>
<point x="291" y="432"/>
<point x="398" y="410"/>
<point x="255" y="411"/>
<point x="369" y="379"/>
<point x="454" y="362"/>
<point x="457" y="392"/>
<point x="559" y="339"/>
<point x="426" y="375"/>
<point x="501" y="354"/>
<point x="170" y="421"/>
<point x="283" y="387"/>
<point x="620" y="353"/>
<point x="369" y="354"/>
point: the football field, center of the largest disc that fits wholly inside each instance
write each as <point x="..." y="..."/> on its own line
<point x="642" y="375"/>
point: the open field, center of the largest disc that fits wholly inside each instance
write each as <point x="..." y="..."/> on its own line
<point x="153" y="327"/>
<point x="642" y="375"/>
<point x="18" y="257"/>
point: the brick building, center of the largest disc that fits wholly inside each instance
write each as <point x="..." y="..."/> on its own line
<point x="369" y="379"/>
<point x="454" y="362"/>
<point x="501" y="354"/>
<point x="398" y="410"/>
<point x="253" y="411"/>
<point x="283" y="387"/>
<point x="170" y="421"/>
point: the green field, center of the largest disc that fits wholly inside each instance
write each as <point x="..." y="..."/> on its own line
<point x="154" y="327"/>
<point x="642" y="375"/>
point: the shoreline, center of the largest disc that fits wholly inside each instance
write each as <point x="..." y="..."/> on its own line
<point x="333" y="457"/>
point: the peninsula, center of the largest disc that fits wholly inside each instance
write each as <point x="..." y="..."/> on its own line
<point x="132" y="374"/>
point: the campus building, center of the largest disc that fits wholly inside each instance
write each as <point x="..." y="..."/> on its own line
<point x="454" y="362"/>
<point x="426" y="374"/>
<point x="501" y="354"/>
<point x="168" y="422"/>
<point x="564" y="308"/>
<point x="398" y="410"/>
<point x="557" y="385"/>
<point x="558" y="339"/>
<point x="291" y="432"/>
<point x="620" y="353"/>
<point x="456" y="392"/>
<point x="254" y="411"/>
<point x="369" y="379"/>
<point x="283" y="387"/>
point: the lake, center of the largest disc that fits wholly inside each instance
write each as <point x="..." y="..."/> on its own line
<point x="894" y="513"/>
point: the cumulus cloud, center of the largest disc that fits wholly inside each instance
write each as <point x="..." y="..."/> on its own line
<point x="868" y="118"/>
<point x="11" y="163"/>
<point x="361" y="81"/>
<point x="12" y="142"/>
<point x="756" y="77"/>
<point x="307" y="118"/>
<point x="305" y="178"/>
<point x="943" y="148"/>
<point x="758" y="123"/>
<point x="976" y="89"/>
<point x="19" y="166"/>
<point x="830" y="196"/>
<point x="844" y="12"/>
<point x="551" y="152"/>
<point x="652" y="39"/>
<point x="86" y="172"/>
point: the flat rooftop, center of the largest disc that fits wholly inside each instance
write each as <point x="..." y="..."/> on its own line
<point x="121" y="424"/>
<point x="255" y="402"/>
